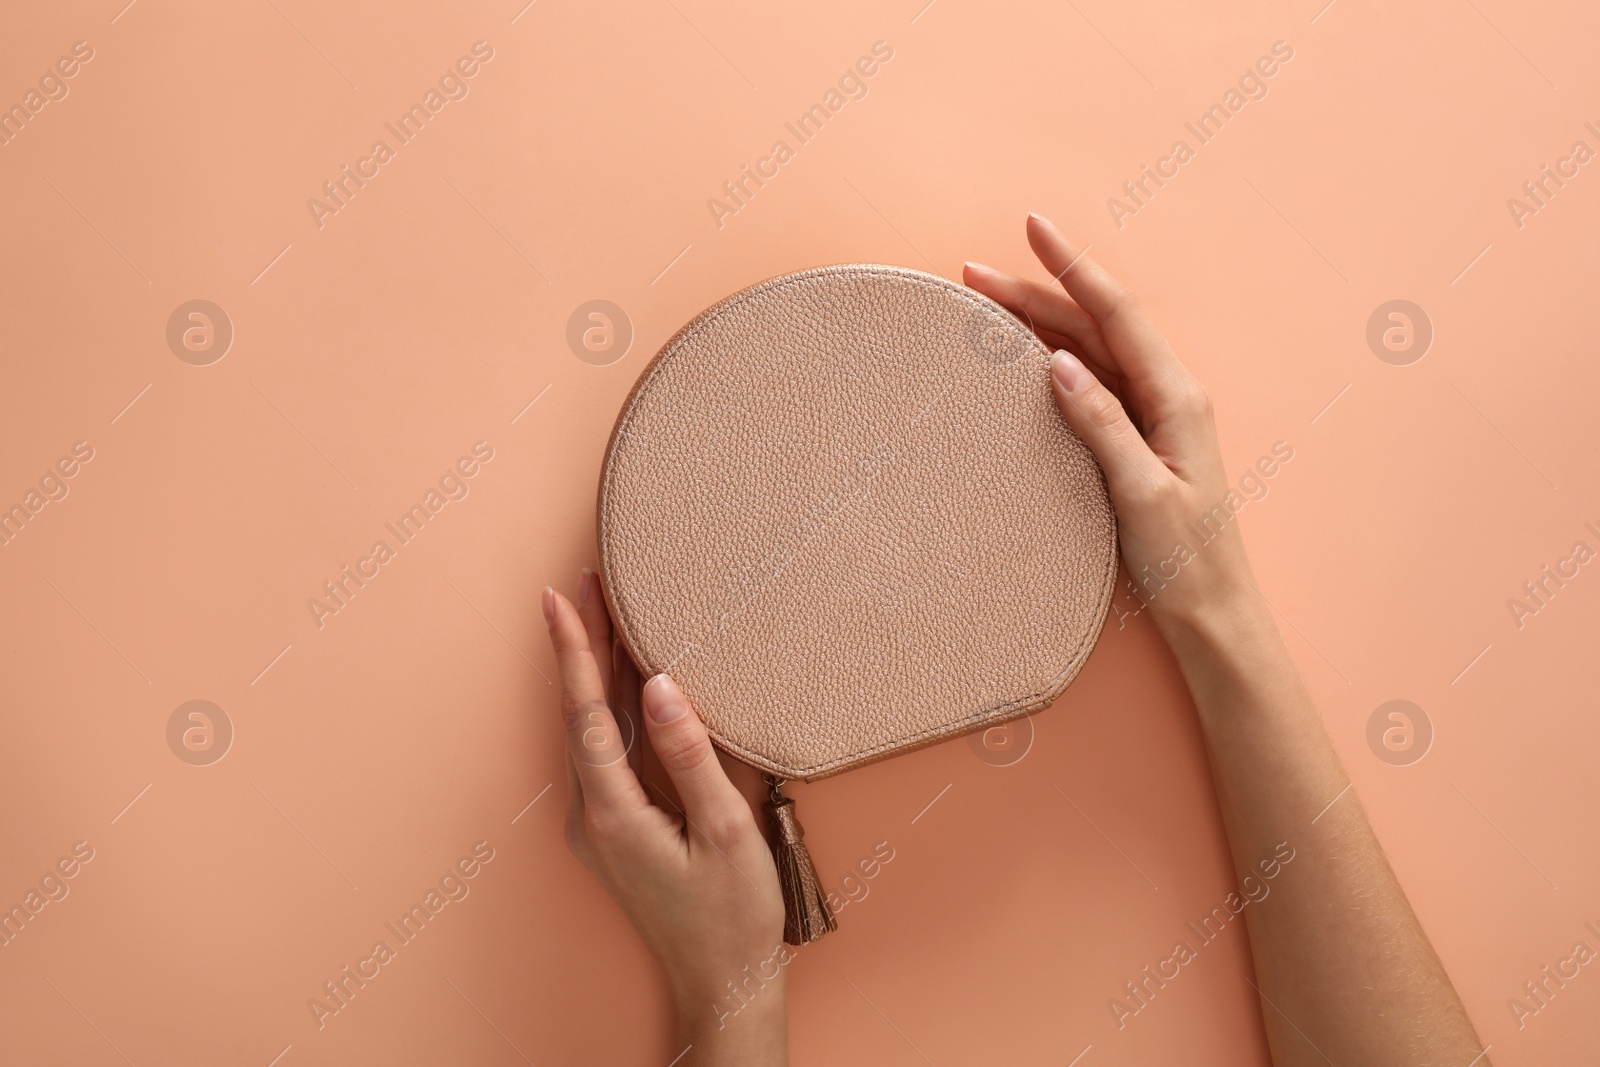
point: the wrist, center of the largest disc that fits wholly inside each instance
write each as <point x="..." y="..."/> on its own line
<point x="713" y="990"/>
<point x="743" y="1023"/>
<point x="701" y="1003"/>
<point x="1220" y="628"/>
<point x="1238" y="669"/>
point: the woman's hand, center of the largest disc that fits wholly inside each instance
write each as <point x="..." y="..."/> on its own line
<point x="698" y="883"/>
<point x="1147" y="420"/>
<point x="1337" y="948"/>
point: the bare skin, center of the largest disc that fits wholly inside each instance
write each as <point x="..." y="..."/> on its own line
<point x="1344" y="971"/>
<point x="698" y="883"/>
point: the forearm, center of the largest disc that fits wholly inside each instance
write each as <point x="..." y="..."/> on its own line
<point x="1343" y="968"/>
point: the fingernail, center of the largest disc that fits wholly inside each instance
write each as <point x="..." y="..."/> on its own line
<point x="1038" y="218"/>
<point x="1070" y="374"/>
<point x="585" y="582"/>
<point x="970" y="265"/>
<point x="549" y="606"/>
<point x="664" y="700"/>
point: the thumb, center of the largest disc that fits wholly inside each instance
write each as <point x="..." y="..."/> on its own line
<point x="1099" y="419"/>
<point x="710" y="800"/>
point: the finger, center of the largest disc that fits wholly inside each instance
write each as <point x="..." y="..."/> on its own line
<point x="624" y="693"/>
<point x="1045" y="309"/>
<point x="1131" y="338"/>
<point x="710" y="801"/>
<point x="574" y="787"/>
<point x="1101" y="421"/>
<point x="594" y="740"/>
<point x="626" y="698"/>
<point x="1110" y="379"/>
<point x="1114" y="382"/>
<point x="597" y="623"/>
<point x="1052" y="340"/>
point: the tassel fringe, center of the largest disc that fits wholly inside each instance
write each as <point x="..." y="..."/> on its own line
<point x="806" y="916"/>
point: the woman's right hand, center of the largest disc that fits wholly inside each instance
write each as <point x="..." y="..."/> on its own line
<point x="1149" y="423"/>
<point x="1337" y="949"/>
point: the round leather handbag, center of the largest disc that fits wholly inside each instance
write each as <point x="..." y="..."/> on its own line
<point x="841" y="508"/>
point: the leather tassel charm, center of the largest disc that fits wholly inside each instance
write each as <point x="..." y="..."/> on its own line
<point x="806" y="916"/>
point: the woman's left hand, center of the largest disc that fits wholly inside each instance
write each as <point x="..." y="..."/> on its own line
<point x="699" y="883"/>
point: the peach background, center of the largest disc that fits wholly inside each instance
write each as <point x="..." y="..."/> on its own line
<point x="374" y="752"/>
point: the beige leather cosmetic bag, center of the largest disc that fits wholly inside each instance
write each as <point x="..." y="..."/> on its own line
<point x="842" y="510"/>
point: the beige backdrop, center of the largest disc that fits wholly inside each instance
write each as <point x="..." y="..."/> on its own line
<point x="190" y="475"/>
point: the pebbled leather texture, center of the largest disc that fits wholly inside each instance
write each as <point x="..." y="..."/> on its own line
<point x="841" y="508"/>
